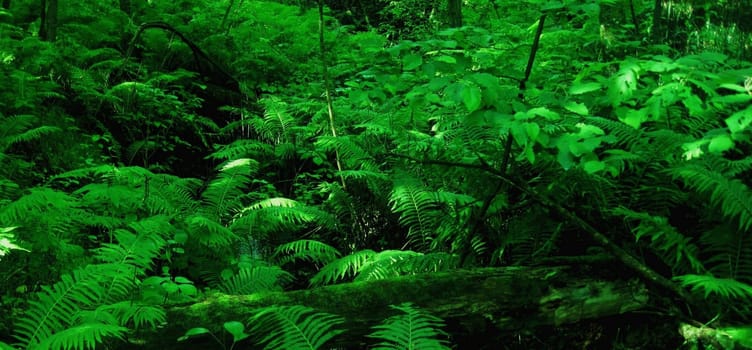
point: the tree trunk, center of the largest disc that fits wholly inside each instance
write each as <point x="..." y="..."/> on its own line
<point x="48" y="19"/>
<point x="126" y="7"/>
<point x="657" y="28"/>
<point x="472" y="301"/>
<point x="454" y="13"/>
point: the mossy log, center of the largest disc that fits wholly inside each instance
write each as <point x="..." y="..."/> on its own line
<point x="508" y="299"/>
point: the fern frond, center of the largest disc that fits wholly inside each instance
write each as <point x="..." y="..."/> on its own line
<point x="222" y="193"/>
<point x="305" y="249"/>
<point x="349" y="265"/>
<point x="83" y="337"/>
<point x="732" y="196"/>
<point x="393" y="263"/>
<point x="171" y="195"/>
<point x="139" y="315"/>
<point x="727" y="252"/>
<point x="255" y="279"/>
<point x="243" y="148"/>
<point x="626" y="136"/>
<point x="389" y="263"/>
<point x="677" y="248"/>
<point x="15" y="129"/>
<point x="55" y="308"/>
<point x="37" y="201"/>
<point x="294" y="327"/>
<point x="412" y="329"/>
<point x="209" y="233"/>
<point x="418" y="211"/>
<point x="277" y="215"/>
<point x="276" y="122"/>
<point x="727" y="288"/>
<point x="353" y="155"/>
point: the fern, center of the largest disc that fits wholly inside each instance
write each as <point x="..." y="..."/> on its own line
<point x="305" y="249"/>
<point x="139" y="315"/>
<point x="418" y="212"/>
<point x="17" y="129"/>
<point x="222" y="194"/>
<point x="56" y="307"/>
<point x="210" y="233"/>
<point x="294" y="327"/>
<point x="726" y="288"/>
<point x="732" y="196"/>
<point x="350" y="151"/>
<point x="343" y="267"/>
<point x="677" y="248"/>
<point x="255" y="279"/>
<point x="270" y="215"/>
<point x="727" y="252"/>
<point x="241" y="149"/>
<point x="85" y="336"/>
<point x="413" y="329"/>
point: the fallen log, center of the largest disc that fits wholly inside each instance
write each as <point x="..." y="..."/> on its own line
<point x="507" y="299"/>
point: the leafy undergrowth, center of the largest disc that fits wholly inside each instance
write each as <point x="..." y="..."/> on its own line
<point x="255" y="146"/>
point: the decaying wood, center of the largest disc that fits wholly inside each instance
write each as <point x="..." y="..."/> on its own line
<point x="505" y="298"/>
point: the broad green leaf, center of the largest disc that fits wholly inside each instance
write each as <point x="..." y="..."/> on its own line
<point x="587" y="130"/>
<point x="585" y="88"/>
<point x="576" y="107"/>
<point x="733" y="87"/>
<point x="733" y="99"/>
<point x="543" y="112"/>
<point x="411" y="61"/>
<point x="583" y="147"/>
<point x="188" y="290"/>
<point x="740" y="120"/>
<point x="720" y="144"/>
<point x="533" y="130"/>
<point x="236" y="329"/>
<point x="446" y="59"/>
<point x="634" y="118"/>
<point x="193" y="332"/>
<point x="594" y="166"/>
<point x="471" y="96"/>
<point x="519" y="134"/>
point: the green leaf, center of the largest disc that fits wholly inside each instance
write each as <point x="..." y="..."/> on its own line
<point x="733" y="87"/>
<point x="471" y="96"/>
<point x="194" y="332"/>
<point x="720" y="144"/>
<point x="741" y="334"/>
<point x="446" y="59"/>
<point x="533" y="130"/>
<point x="577" y="108"/>
<point x="594" y="166"/>
<point x="739" y="121"/>
<point x="579" y="89"/>
<point x="734" y="99"/>
<point x="543" y="112"/>
<point x="634" y="117"/>
<point x="411" y="61"/>
<point x="237" y="330"/>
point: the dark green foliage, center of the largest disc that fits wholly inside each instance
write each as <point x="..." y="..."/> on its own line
<point x="442" y="156"/>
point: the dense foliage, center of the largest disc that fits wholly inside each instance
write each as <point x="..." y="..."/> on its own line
<point x="261" y="145"/>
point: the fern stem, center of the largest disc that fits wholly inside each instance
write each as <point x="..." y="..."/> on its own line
<point x="327" y="89"/>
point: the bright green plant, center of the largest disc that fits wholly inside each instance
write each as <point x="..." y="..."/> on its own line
<point x="294" y="327"/>
<point x="234" y="328"/>
<point x="413" y="329"/>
